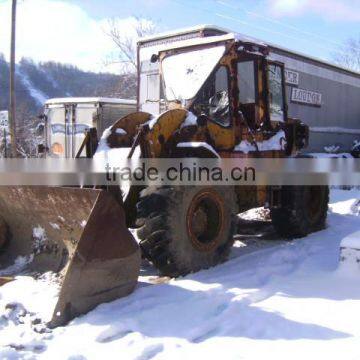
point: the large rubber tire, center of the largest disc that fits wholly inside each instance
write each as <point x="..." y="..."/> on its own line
<point x="303" y="211"/>
<point x="186" y="229"/>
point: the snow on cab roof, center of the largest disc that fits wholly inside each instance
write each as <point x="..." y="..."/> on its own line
<point x="183" y="31"/>
<point x="194" y="42"/>
<point x="223" y="34"/>
<point x="207" y="40"/>
<point x="86" y="100"/>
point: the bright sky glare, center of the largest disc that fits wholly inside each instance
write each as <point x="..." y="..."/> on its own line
<point x="74" y="31"/>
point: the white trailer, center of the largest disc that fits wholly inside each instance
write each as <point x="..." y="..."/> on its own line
<point x="67" y="119"/>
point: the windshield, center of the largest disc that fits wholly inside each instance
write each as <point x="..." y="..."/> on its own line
<point x="213" y="98"/>
<point x="185" y="73"/>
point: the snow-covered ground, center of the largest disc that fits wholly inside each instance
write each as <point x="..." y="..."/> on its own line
<point x="273" y="300"/>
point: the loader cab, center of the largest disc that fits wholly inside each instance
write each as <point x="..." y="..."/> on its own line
<point x="236" y="84"/>
<point x="232" y="84"/>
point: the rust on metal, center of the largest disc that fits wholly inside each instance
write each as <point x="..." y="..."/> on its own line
<point x="205" y="220"/>
<point x="79" y="233"/>
<point x="5" y="280"/>
<point x="130" y="123"/>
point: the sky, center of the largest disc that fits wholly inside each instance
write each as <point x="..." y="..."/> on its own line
<point x="75" y="31"/>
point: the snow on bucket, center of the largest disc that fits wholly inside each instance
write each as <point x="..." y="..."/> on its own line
<point x="78" y="234"/>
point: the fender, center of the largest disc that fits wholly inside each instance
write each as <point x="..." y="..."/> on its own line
<point x="162" y="128"/>
<point x="123" y="132"/>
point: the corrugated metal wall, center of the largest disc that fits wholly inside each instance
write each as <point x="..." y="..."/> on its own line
<point x="337" y="120"/>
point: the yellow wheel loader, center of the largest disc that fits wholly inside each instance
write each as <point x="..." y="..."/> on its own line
<point x="219" y="93"/>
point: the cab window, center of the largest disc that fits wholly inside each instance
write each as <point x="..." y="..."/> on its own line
<point x="247" y="89"/>
<point x="276" y="96"/>
<point x="246" y="82"/>
<point x="213" y="98"/>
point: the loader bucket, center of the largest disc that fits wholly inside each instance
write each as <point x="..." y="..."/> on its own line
<point x="78" y="233"/>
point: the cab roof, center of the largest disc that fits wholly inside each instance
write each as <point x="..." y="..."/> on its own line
<point x="184" y="31"/>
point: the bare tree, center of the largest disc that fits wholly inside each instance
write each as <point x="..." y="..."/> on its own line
<point x="126" y="42"/>
<point x="348" y="55"/>
<point x="28" y="135"/>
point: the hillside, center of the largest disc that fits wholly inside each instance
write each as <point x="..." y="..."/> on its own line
<point x="37" y="82"/>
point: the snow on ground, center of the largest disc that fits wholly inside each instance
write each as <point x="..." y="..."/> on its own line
<point x="277" y="301"/>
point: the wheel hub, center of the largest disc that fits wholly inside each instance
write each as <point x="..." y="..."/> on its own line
<point x="205" y="220"/>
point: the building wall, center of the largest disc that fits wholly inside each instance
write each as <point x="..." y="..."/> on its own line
<point x="336" y="119"/>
